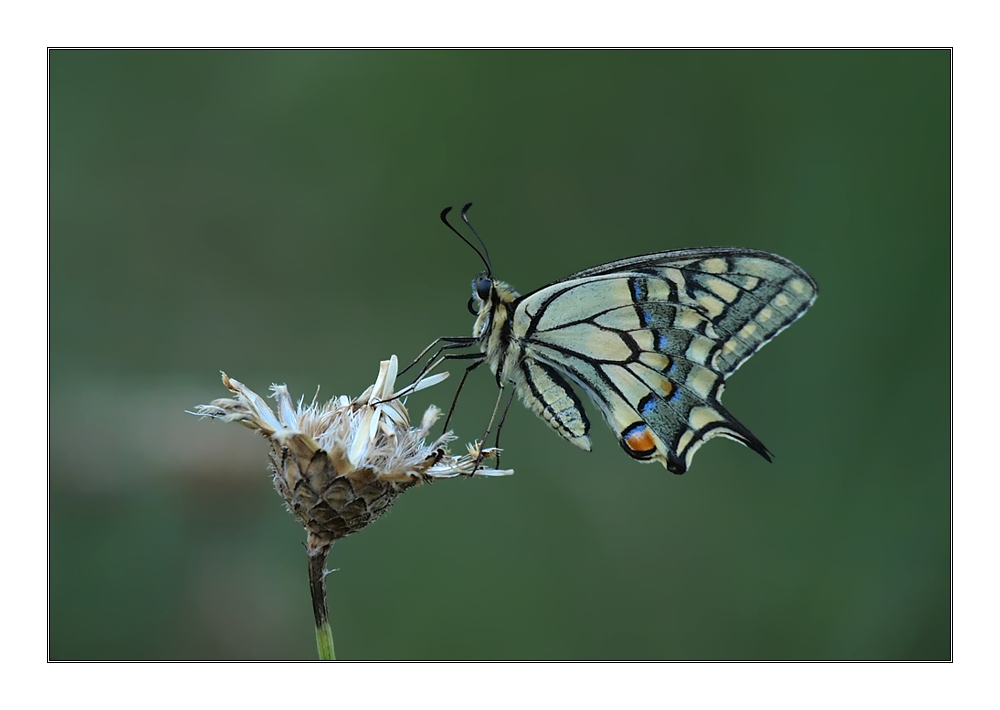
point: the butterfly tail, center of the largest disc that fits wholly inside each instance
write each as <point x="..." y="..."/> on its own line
<point x="737" y="432"/>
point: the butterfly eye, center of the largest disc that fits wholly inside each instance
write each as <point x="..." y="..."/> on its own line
<point x="483" y="288"/>
<point x="472" y="307"/>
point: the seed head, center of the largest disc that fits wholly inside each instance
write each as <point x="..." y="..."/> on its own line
<point x="341" y="464"/>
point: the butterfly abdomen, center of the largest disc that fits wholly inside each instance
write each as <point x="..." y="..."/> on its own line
<point x="547" y="394"/>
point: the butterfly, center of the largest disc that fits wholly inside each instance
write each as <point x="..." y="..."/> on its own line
<point x="651" y="340"/>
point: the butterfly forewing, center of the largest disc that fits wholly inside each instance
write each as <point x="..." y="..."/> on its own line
<point x="652" y="339"/>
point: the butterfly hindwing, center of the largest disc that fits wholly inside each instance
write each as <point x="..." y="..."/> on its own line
<point x="651" y="340"/>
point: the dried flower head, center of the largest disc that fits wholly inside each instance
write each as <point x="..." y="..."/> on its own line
<point x="341" y="464"/>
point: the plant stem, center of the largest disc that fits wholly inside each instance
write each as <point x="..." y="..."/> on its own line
<point x="318" y="550"/>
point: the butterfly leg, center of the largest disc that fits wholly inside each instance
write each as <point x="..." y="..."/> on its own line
<point x="486" y="434"/>
<point x="503" y="418"/>
<point x="438" y="358"/>
<point x="480" y="359"/>
<point x="455" y="342"/>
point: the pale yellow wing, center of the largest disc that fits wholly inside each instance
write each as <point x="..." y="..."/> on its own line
<point x="651" y="340"/>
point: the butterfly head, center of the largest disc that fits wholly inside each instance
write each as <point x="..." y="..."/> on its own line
<point x="482" y="286"/>
<point x="491" y="303"/>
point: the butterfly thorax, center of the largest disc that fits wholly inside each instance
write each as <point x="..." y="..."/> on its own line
<point x="493" y="326"/>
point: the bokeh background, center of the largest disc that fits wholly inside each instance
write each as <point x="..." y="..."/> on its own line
<point x="275" y="214"/>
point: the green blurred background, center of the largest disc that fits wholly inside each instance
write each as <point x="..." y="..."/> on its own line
<point x="274" y="214"/>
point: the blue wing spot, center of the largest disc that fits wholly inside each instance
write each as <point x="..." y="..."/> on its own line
<point x="661" y="342"/>
<point x="640" y="291"/>
<point x="647" y="404"/>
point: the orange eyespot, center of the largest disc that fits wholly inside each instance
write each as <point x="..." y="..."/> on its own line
<point x="638" y="441"/>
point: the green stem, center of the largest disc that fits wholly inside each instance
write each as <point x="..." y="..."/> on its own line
<point x="318" y="551"/>
<point x="324" y="643"/>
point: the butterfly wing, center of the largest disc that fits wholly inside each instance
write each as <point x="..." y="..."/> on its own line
<point x="652" y="340"/>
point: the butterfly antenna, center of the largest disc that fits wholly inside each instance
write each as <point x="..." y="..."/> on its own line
<point x="489" y="264"/>
<point x="444" y="218"/>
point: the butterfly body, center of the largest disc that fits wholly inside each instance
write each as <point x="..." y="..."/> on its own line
<point x="650" y="339"/>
